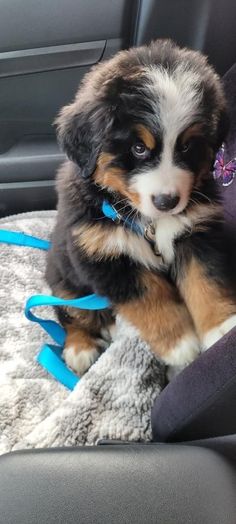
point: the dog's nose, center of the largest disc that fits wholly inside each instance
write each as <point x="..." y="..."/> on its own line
<point x="165" y="202"/>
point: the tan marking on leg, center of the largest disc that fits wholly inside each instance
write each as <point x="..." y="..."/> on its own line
<point x="91" y="322"/>
<point x="208" y="304"/>
<point x="162" y="319"/>
<point x="146" y="136"/>
<point x="79" y="338"/>
<point x="81" y="350"/>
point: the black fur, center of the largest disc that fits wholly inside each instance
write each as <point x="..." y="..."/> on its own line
<point x="104" y="120"/>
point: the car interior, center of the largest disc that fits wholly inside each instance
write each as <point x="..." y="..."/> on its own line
<point x="187" y="474"/>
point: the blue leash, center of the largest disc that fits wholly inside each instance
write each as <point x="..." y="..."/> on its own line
<point x="50" y="356"/>
<point x="20" y="239"/>
<point x="146" y="232"/>
<point x="110" y="212"/>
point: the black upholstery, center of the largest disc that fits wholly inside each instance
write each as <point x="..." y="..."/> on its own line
<point x="201" y="401"/>
<point x="133" y="484"/>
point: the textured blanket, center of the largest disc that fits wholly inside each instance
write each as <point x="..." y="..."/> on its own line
<point x="113" y="400"/>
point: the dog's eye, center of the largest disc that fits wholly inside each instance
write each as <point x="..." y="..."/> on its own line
<point x="186" y="147"/>
<point x="139" y="150"/>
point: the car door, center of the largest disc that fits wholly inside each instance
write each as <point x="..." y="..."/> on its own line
<point x="45" y="50"/>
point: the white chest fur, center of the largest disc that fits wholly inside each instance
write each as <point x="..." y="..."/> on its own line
<point x="167" y="230"/>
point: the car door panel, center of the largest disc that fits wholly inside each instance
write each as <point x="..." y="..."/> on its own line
<point x="45" y="50"/>
<point x="27" y="24"/>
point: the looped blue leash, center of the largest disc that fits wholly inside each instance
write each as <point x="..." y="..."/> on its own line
<point x="50" y="356"/>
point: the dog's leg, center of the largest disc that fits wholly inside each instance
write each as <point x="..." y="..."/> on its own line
<point x="81" y="349"/>
<point x="88" y="333"/>
<point x="212" y="307"/>
<point x="163" y="321"/>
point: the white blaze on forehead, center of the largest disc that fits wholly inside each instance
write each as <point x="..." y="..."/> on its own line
<point x="176" y="95"/>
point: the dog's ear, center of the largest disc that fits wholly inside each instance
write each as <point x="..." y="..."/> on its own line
<point x="81" y="133"/>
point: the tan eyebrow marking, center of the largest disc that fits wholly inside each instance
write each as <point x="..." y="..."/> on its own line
<point x="146" y="136"/>
<point x="194" y="130"/>
<point x="113" y="178"/>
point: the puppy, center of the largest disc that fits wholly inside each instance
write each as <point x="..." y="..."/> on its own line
<point x="142" y="135"/>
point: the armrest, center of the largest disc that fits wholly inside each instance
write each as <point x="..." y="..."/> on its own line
<point x="137" y="483"/>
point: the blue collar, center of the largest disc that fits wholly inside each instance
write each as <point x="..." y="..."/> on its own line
<point x="110" y="212"/>
<point x="146" y="232"/>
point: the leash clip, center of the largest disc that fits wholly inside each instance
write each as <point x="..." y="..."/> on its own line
<point x="117" y="220"/>
<point x="150" y="236"/>
<point x="149" y="232"/>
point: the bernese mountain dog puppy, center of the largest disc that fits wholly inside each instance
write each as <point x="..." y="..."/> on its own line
<point x="142" y="135"/>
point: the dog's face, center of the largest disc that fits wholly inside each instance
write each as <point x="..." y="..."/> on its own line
<point x="145" y="127"/>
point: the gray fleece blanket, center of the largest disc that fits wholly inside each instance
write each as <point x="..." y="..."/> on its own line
<point x="112" y="401"/>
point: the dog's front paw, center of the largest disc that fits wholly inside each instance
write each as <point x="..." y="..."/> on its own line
<point x="213" y="335"/>
<point x="80" y="360"/>
<point x="184" y="352"/>
<point x="82" y="350"/>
